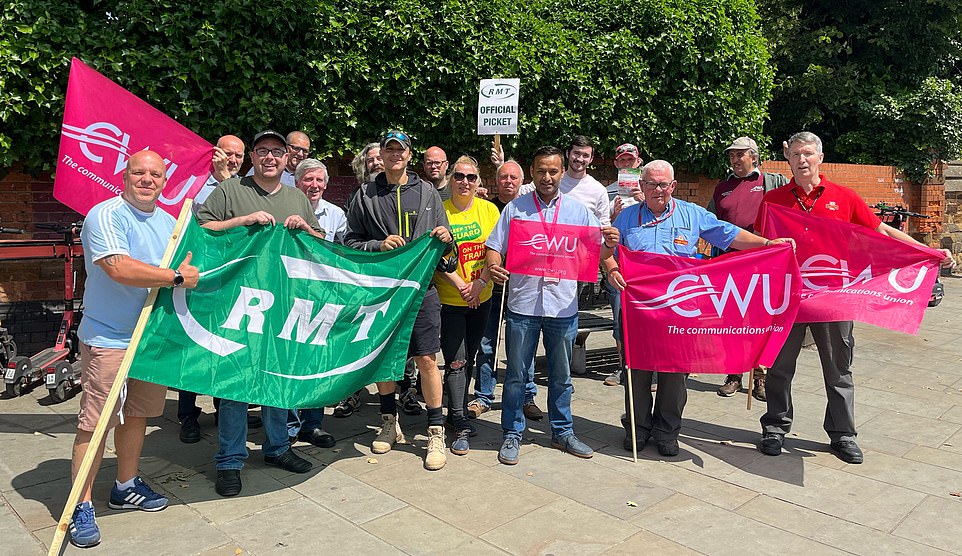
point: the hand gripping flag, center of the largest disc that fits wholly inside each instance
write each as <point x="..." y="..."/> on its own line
<point x="725" y="315"/>
<point x="103" y="125"/>
<point x="281" y="319"/>
<point x="850" y="272"/>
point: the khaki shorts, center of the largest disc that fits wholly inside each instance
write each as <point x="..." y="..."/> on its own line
<point x="100" y="366"/>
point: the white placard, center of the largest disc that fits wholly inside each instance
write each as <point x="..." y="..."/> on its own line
<point x="498" y="106"/>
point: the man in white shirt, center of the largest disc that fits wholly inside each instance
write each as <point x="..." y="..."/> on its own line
<point x="577" y="184"/>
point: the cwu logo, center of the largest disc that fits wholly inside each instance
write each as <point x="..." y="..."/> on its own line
<point x="104" y="139"/>
<point x="256" y="311"/>
<point x="823" y="271"/>
<point x="543" y="242"/>
<point x="686" y="295"/>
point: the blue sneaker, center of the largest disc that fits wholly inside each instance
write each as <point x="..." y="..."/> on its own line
<point x="461" y="445"/>
<point x="83" y="529"/>
<point x="138" y="497"/>
<point x="508" y="454"/>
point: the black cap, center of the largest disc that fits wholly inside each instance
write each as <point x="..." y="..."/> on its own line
<point x="398" y="136"/>
<point x="268" y="134"/>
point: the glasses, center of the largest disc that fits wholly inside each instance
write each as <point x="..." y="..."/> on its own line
<point x="461" y="176"/>
<point x="434" y="163"/>
<point x="663" y="185"/>
<point x="299" y="150"/>
<point x="264" y="151"/>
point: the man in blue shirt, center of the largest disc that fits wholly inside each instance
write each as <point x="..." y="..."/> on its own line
<point x="540" y="304"/>
<point x="667" y="226"/>
<point x="124" y="240"/>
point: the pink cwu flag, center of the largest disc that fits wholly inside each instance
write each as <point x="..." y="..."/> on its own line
<point x="103" y="125"/>
<point x="725" y="315"/>
<point x="562" y="251"/>
<point x="850" y="272"/>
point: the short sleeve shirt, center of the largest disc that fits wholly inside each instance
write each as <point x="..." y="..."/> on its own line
<point x="826" y="199"/>
<point x="675" y="232"/>
<point x="535" y="295"/>
<point x="242" y="196"/>
<point x="115" y="227"/>
<point x="469" y="227"/>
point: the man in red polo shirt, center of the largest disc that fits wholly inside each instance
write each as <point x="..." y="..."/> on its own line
<point x="811" y="192"/>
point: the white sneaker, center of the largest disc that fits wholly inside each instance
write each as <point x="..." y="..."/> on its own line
<point x="435" y="459"/>
<point x="389" y="434"/>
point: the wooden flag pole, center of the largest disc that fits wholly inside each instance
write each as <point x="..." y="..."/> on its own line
<point x="497" y="337"/>
<point x="497" y="144"/>
<point x="751" y="387"/>
<point x="100" y="431"/>
<point x="631" y="391"/>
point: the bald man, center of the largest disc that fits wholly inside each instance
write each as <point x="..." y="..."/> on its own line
<point x="124" y="240"/>
<point x="225" y="163"/>
<point x="436" y="170"/>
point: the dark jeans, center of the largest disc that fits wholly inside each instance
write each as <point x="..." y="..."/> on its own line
<point x="461" y="332"/>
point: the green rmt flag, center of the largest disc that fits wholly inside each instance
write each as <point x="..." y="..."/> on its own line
<point x="282" y="319"/>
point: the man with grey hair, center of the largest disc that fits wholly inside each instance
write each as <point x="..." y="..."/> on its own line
<point x="736" y="200"/>
<point x="811" y="192"/>
<point x="368" y="163"/>
<point x="311" y="177"/>
<point x="661" y="224"/>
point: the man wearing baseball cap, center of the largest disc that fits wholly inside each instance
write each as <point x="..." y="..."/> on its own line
<point x="261" y="199"/>
<point x="395" y="208"/>
<point x="736" y="200"/>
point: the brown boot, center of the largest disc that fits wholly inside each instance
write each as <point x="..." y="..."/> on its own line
<point x="758" y="390"/>
<point x="733" y="383"/>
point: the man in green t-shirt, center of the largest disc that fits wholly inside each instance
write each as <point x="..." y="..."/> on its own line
<point x="259" y="199"/>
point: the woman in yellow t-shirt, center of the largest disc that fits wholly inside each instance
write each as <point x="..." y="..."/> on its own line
<point x="465" y="296"/>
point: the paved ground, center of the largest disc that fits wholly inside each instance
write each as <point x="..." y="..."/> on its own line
<point x="719" y="496"/>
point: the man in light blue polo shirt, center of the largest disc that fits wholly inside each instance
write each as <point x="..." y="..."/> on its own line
<point x="537" y="305"/>
<point x="667" y="226"/>
<point x="124" y="240"/>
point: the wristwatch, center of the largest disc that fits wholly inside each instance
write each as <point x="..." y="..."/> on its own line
<point x="178" y="279"/>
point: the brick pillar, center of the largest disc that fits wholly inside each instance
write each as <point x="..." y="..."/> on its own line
<point x="932" y="202"/>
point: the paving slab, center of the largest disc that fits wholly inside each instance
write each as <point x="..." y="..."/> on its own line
<point x="934" y="522"/>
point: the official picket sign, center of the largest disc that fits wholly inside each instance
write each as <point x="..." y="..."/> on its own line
<point x="498" y="106"/>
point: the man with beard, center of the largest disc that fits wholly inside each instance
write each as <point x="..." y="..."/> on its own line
<point x="436" y="169"/>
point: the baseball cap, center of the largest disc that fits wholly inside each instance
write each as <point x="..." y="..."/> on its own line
<point x="399" y="137"/>
<point x="743" y="143"/>
<point x="627" y="148"/>
<point x="268" y="134"/>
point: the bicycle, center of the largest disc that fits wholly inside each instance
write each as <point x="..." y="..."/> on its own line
<point x="897" y="217"/>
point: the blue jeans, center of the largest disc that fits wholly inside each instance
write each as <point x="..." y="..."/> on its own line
<point x="232" y="433"/>
<point x="521" y="336"/>
<point x="487" y="378"/>
<point x="303" y="419"/>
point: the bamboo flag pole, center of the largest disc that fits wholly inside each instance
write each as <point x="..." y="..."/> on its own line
<point x="100" y="431"/>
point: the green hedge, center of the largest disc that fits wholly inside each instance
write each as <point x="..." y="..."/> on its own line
<point x="679" y="78"/>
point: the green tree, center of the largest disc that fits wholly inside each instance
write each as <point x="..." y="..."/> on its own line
<point x="678" y="78"/>
<point x="879" y="81"/>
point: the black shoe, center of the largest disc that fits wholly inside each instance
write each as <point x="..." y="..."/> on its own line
<point x="409" y="402"/>
<point x="190" y="430"/>
<point x="290" y="461"/>
<point x="228" y="482"/>
<point x="668" y="448"/>
<point x="317" y="437"/>
<point x="642" y="438"/>
<point x="771" y="443"/>
<point x="465" y="424"/>
<point x="847" y="451"/>
<point x="254" y="422"/>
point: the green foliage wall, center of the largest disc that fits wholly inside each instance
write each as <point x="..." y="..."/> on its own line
<point x="679" y="78"/>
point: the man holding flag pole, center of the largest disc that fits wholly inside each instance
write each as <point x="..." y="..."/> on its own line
<point x="661" y="224"/>
<point x="812" y="193"/>
<point x="124" y="241"/>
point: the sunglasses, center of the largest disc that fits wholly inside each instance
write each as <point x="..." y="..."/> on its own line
<point x="461" y="176"/>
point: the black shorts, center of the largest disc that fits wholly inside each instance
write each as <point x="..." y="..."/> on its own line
<point x="426" y="334"/>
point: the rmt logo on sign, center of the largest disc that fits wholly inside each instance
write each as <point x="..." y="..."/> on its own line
<point x="677" y="295"/>
<point x="500" y="91"/>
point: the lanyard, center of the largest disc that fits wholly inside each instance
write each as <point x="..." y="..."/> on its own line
<point x="656" y="221"/>
<point x="802" y="204"/>
<point x="557" y="209"/>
